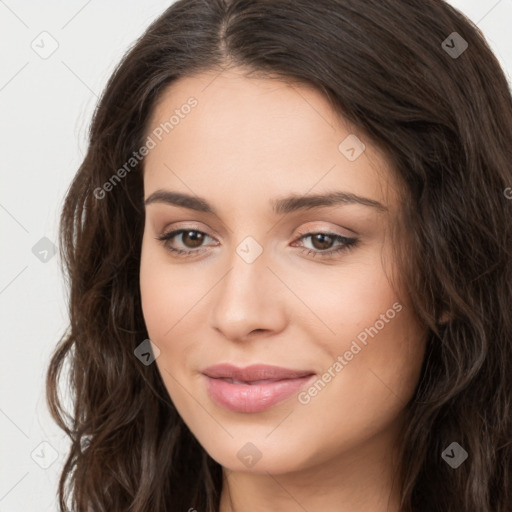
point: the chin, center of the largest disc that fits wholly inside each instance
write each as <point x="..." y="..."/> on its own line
<point x="258" y="455"/>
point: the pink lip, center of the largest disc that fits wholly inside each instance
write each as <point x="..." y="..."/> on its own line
<point x="254" y="388"/>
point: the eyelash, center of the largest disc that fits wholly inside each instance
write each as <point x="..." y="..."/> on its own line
<point x="346" y="243"/>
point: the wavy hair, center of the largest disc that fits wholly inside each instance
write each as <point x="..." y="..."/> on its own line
<point x="445" y="123"/>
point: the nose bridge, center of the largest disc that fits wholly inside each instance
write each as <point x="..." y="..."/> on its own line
<point x="248" y="275"/>
<point x="246" y="298"/>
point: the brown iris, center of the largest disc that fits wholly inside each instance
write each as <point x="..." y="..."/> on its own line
<point x="195" y="237"/>
<point x="325" y="241"/>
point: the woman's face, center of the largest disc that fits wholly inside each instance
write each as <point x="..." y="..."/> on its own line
<point x="298" y="283"/>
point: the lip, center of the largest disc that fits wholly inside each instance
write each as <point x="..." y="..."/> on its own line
<point x="253" y="388"/>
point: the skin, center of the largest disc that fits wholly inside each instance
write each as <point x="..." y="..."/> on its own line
<point x="247" y="141"/>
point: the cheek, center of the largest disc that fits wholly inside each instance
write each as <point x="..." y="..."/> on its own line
<point x="165" y="302"/>
<point x="374" y="332"/>
<point x="376" y="364"/>
<point x="171" y="304"/>
<point x="349" y="299"/>
<point x="167" y="294"/>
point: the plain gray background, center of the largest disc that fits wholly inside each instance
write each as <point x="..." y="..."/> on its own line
<point x="46" y="104"/>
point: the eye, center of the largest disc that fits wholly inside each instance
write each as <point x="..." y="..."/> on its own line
<point x="192" y="240"/>
<point x="322" y="243"/>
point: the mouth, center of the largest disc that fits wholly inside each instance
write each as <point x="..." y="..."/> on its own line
<point x="254" y="388"/>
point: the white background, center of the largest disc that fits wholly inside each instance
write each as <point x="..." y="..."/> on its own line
<point x="46" y="106"/>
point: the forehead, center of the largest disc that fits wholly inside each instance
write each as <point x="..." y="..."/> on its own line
<point x="255" y="135"/>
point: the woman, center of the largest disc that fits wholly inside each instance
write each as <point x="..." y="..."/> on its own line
<point x="289" y="252"/>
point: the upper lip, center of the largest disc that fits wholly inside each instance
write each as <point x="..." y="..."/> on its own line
<point x="253" y="372"/>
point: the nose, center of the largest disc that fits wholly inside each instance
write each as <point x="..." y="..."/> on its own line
<point x="249" y="299"/>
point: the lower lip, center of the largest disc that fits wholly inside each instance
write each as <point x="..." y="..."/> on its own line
<point x="253" y="397"/>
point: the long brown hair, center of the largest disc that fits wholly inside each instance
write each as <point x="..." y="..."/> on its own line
<point x="441" y="112"/>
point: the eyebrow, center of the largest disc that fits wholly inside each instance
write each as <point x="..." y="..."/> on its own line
<point x="280" y="206"/>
